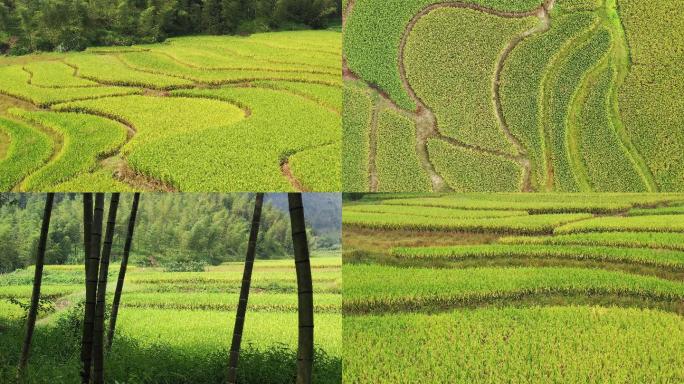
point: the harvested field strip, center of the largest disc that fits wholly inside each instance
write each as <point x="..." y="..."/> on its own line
<point x="668" y="259"/>
<point x="373" y="288"/>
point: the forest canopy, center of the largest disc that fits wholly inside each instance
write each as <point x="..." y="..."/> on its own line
<point x="171" y="229"/>
<point x="66" y="25"/>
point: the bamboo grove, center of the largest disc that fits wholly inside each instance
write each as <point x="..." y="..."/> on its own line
<point x="99" y="232"/>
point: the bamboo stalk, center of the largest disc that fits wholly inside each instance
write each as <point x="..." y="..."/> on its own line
<point x="37" y="281"/>
<point x="244" y="290"/>
<point x="305" y="347"/>
<point x="98" y="326"/>
<point x="122" y="269"/>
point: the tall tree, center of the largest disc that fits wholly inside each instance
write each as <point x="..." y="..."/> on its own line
<point x="91" y="287"/>
<point x="305" y="347"/>
<point x="122" y="269"/>
<point x="37" y="280"/>
<point x="98" y="327"/>
<point x="244" y="290"/>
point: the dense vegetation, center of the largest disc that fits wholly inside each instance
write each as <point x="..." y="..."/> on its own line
<point x="33" y="25"/>
<point x="595" y="299"/>
<point x="502" y="96"/>
<point x="154" y="342"/>
<point x="194" y="231"/>
<point x="201" y="113"/>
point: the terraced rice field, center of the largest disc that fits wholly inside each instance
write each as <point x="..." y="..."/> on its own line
<point x="505" y="96"/>
<point x="447" y="288"/>
<point x="177" y="326"/>
<point x="210" y="113"/>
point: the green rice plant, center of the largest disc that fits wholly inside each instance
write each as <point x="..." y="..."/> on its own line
<point x="28" y="149"/>
<point x="108" y="69"/>
<point x="432" y="211"/>
<point x="521" y="83"/>
<point x="356" y="123"/>
<point x="650" y="99"/>
<point x="101" y="180"/>
<point x="559" y="89"/>
<point x="249" y="158"/>
<point x="305" y="167"/>
<point x="673" y="260"/>
<point x="381" y="288"/>
<point x="534" y="224"/>
<point x="567" y="6"/>
<point x="14" y="83"/>
<point x="154" y="118"/>
<point x="209" y="329"/>
<point x="373" y="32"/>
<point x="655" y="240"/>
<point x="600" y="156"/>
<point x="450" y="59"/>
<point x="604" y="203"/>
<point x="86" y="139"/>
<point x="573" y="345"/>
<point x="467" y="170"/>
<point x="151" y="63"/>
<point x="258" y="302"/>
<point x="10" y="311"/>
<point x="326" y="95"/>
<point x="398" y="165"/>
<point x="666" y="210"/>
<point x="48" y="291"/>
<point x="655" y="223"/>
<point x="55" y="74"/>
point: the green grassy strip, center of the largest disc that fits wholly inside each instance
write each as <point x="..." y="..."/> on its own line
<point x="656" y="240"/>
<point x="644" y="223"/>
<point x="467" y="170"/>
<point x="28" y="149"/>
<point x="108" y="69"/>
<point x="328" y="96"/>
<point x="306" y="168"/>
<point x="560" y="88"/>
<point x="640" y="256"/>
<point x="432" y="211"/>
<point x="597" y="153"/>
<point x="356" y="122"/>
<point x="101" y="180"/>
<point x="383" y="288"/>
<point x="450" y="59"/>
<point x="55" y="74"/>
<point x="14" y="83"/>
<point x="521" y="82"/>
<point x="398" y="165"/>
<point x="558" y="344"/>
<point x="244" y="156"/>
<point x="373" y="33"/>
<point x="604" y="203"/>
<point x="669" y="210"/>
<point x="86" y="138"/>
<point x="260" y="302"/>
<point x="536" y="224"/>
<point x="650" y="102"/>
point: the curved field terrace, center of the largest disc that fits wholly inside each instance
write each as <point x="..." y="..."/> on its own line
<point x="206" y="113"/>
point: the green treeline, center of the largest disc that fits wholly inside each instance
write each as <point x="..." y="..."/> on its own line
<point x="172" y="230"/>
<point x="65" y="25"/>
